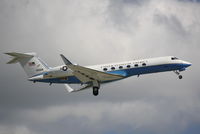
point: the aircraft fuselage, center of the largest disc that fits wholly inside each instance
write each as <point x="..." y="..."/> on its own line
<point x="62" y="74"/>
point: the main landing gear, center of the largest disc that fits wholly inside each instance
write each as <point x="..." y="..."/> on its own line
<point x="178" y="73"/>
<point x="96" y="87"/>
<point x="95" y="91"/>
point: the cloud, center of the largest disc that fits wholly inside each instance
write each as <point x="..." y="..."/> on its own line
<point x="15" y="130"/>
<point x="137" y="115"/>
<point x="93" y="32"/>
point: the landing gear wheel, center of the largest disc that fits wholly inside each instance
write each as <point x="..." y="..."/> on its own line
<point x="178" y="73"/>
<point x="95" y="91"/>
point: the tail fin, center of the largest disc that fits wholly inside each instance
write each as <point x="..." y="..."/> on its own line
<point x="31" y="64"/>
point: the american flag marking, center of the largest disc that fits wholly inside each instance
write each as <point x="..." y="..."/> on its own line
<point x="31" y="63"/>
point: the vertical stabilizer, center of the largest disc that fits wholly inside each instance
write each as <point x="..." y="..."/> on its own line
<point x="31" y="64"/>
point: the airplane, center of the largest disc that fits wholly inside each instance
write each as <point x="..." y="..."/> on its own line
<point x="84" y="77"/>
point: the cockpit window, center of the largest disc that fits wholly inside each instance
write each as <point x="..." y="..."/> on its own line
<point x="174" y="58"/>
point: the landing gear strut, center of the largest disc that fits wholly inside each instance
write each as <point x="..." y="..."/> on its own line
<point x="178" y="73"/>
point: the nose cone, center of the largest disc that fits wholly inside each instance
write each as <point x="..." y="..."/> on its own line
<point x="187" y="64"/>
<point x="39" y="77"/>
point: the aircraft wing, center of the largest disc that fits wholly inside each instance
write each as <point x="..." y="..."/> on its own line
<point x="87" y="75"/>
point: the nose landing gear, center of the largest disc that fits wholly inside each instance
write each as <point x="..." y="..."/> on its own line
<point x="178" y="73"/>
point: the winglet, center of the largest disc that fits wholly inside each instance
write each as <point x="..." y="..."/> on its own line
<point x="66" y="61"/>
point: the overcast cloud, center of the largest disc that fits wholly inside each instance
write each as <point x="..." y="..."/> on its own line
<point x="93" y="32"/>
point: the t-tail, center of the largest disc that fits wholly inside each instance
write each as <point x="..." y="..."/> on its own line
<point x="31" y="64"/>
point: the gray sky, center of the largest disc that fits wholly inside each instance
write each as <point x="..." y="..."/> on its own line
<point x="93" y="32"/>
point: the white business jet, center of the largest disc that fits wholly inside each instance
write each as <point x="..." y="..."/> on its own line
<point x="93" y="76"/>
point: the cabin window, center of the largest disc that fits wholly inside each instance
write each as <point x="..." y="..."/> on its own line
<point x="143" y="64"/>
<point x="112" y="68"/>
<point x="128" y="66"/>
<point x="136" y="65"/>
<point x="120" y="67"/>
<point x="105" y="69"/>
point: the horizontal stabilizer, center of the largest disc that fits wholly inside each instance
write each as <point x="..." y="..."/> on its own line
<point x="12" y="61"/>
<point x="18" y="56"/>
<point x="22" y="55"/>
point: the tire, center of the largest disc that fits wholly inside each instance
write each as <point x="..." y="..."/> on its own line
<point x="95" y="91"/>
<point x="180" y="76"/>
